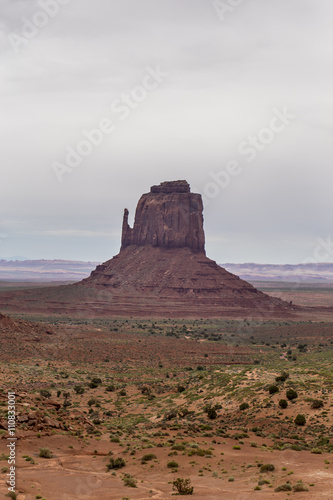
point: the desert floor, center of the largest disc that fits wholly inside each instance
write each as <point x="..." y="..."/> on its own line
<point x="119" y="408"/>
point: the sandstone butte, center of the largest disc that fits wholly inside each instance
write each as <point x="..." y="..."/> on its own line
<point x="162" y="267"/>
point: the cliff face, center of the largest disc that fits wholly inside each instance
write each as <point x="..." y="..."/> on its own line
<point x="170" y="216"/>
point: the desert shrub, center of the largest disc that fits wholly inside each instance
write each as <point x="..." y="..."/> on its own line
<point x="241" y="435"/>
<point x="291" y="394"/>
<point x="316" y="451"/>
<point x="92" y="401"/>
<point x="300" y="487"/>
<point x="170" y="415"/>
<point x="211" y="413"/>
<point x="45" y="453"/>
<point x="283" y="487"/>
<point x="117" y="463"/>
<point x="180" y="388"/>
<point x="146" y="458"/>
<point x="184" y="411"/>
<point x="317" y="403"/>
<point x="267" y="468"/>
<point x="178" y="447"/>
<point x="122" y="392"/>
<point x="183" y="486"/>
<point x="283" y="403"/>
<point x="11" y="494"/>
<point x="45" y="393"/>
<point x="129" y="481"/>
<point x="58" y="394"/>
<point x="296" y="447"/>
<point x="261" y="482"/>
<point x="282" y="378"/>
<point x="110" y="388"/>
<point x="96" y="380"/>
<point x="300" y="419"/>
<point x="272" y="389"/>
<point x="79" y="389"/>
<point x="323" y="441"/>
<point x="92" y="385"/>
<point x="244" y="406"/>
<point x="172" y="464"/>
<point x="115" y="439"/>
<point x="199" y="452"/>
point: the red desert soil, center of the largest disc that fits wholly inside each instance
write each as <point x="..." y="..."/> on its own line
<point x="156" y="380"/>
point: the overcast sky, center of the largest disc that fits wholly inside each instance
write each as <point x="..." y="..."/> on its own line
<point x="236" y="99"/>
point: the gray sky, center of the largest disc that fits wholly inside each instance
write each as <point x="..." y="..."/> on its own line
<point x="259" y="72"/>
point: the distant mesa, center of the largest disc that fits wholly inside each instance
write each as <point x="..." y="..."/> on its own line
<point x="162" y="264"/>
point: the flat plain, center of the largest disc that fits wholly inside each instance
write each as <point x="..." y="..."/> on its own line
<point x="121" y="407"/>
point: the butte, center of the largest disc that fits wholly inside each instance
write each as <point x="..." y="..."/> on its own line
<point x="162" y="268"/>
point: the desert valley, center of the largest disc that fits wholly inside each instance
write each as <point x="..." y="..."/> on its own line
<point x="163" y="374"/>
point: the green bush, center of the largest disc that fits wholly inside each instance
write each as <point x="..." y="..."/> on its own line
<point x="211" y="413"/>
<point x="300" y="487"/>
<point x="172" y="465"/>
<point x="45" y="453"/>
<point x="283" y="403"/>
<point x="79" y="389"/>
<point x="291" y="394"/>
<point x="317" y="403"/>
<point x="200" y="452"/>
<point x="273" y="389"/>
<point x="267" y="468"/>
<point x="178" y="447"/>
<point x="110" y="388"/>
<point x="300" y="419"/>
<point x="282" y="378"/>
<point x="129" y="481"/>
<point x="244" y="406"/>
<point x="146" y="458"/>
<point x="117" y="463"/>
<point x="283" y="487"/>
<point x="183" y="486"/>
<point x="45" y="393"/>
<point x="316" y="451"/>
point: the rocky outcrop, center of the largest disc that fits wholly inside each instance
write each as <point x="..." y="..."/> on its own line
<point x="162" y="266"/>
<point x="170" y="216"/>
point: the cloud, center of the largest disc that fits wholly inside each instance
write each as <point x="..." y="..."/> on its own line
<point x="225" y="79"/>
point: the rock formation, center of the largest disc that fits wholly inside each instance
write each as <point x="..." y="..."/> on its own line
<point x="170" y="216"/>
<point x="162" y="267"/>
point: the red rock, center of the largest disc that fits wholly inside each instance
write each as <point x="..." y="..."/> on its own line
<point x="163" y="258"/>
<point x="51" y="423"/>
<point x="170" y="216"/>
